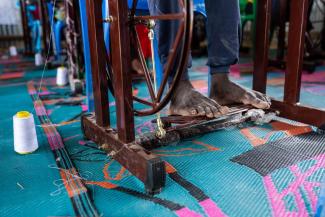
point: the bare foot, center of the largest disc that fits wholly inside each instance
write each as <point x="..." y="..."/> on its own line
<point x="227" y="92"/>
<point x="189" y="102"/>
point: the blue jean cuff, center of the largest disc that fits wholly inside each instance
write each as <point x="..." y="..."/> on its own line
<point x="219" y="69"/>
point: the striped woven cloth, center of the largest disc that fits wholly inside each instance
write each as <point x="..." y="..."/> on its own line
<point x="73" y="182"/>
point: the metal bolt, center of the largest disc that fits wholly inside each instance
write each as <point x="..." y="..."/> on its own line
<point x="151" y="24"/>
<point x="108" y="19"/>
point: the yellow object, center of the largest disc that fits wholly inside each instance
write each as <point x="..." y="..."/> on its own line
<point x="25" y="153"/>
<point x="23" y="114"/>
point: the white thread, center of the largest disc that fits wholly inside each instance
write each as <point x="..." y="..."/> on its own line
<point x="21" y="187"/>
<point x="60" y="183"/>
<point x="38" y="59"/>
<point x="25" y="138"/>
<point x="13" y="51"/>
<point x="62" y="76"/>
<point x="48" y="53"/>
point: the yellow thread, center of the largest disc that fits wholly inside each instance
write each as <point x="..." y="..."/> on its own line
<point x="23" y="114"/>
<point x="25" y="153"/>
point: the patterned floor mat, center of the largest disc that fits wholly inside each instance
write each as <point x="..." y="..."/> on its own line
<point x="202" y="178"/>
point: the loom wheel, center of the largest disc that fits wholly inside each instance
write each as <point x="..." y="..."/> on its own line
<point x="182" y="44"/>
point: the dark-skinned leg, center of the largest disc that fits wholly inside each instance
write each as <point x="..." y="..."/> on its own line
<point x="186" y="100"/>
<point x="223" y="31"/>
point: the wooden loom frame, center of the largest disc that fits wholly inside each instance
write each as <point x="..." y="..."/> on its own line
<point x="134" y="153"/>
<point x="290" y="107"/>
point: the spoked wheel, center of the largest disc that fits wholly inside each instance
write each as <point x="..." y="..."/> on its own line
<point x="177" y="59"/>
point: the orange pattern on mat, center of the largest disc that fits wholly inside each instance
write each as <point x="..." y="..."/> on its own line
<point x="276" y="81"/>
<point x="199" y="83"/>
<point x="7" y="76"/>
<point x="194" y="151"/>
<point x="106" y="185"/>
<point x="288" y="129"/>
<point x="107" y="176"/>
<point x="169" y="168"/>
<point x="252" y="138"/>
<point x="71" y="99"/>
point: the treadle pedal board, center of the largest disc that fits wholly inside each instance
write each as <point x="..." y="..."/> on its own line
<point x="187" y="120"/>
<point x="179" y="128"/>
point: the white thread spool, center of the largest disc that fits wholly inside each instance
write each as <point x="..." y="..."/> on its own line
<point x="25" y="138"/>
<point x="13" y="51"/>
<point x="38" y="59"/>
<point x="62" y="76"/>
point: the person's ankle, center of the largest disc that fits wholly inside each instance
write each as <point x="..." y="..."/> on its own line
<point x="220" y="78"/>
<point x="183" y="84"/>
<point x="218" y="83"/>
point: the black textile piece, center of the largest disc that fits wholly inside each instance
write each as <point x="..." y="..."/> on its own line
<point x="282" y="153"/>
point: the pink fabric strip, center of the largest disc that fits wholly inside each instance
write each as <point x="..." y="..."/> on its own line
<point x="211" y="209"/>
<point x="185" y="212"/>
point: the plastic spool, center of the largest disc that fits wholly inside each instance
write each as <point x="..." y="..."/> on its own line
<point x="62" y="76"/>
<point x="25" y="139"/>
<point x="13" y="51"/>
<point x="38" y="59"/>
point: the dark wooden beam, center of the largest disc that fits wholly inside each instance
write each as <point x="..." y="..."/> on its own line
<point x="296" y="44"/>
<point x="261" y="58"/>
<point x="303" y="114"/>
<point x="282" y="29"/>
<point x="98" y="61"/>
<point x="147" y="167"/>
<point x="46" y="30"/>
<point x="121" y="60"/>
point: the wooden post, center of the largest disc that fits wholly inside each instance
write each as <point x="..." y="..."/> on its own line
<point x="282" y="29"/>
<point x="98" y="63"/>
<point x="298" y="20"/>
<point x="45" y="25"/>
<point x="120" y="60"/>
<point x="261" y="59"/>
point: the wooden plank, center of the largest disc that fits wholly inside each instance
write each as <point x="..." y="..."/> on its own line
<point x="296" y="44"/>
<point x="304" y="114"/>
<point x="121" y="60"/>
<point x="147" y="167"/>
<point x="282" y="30"/>
<point x="46" y="30"/>
<point x="262" y="45"/>
<point x="98" y="61"/>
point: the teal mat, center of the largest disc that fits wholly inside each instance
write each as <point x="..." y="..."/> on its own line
<point x="202" y="180"/>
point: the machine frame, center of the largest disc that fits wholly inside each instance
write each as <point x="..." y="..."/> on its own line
<point x="134" y="152"/>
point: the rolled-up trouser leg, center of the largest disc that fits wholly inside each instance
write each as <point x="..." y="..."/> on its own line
<point x="223" y="31"/>
<point x="166" y="31"/>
